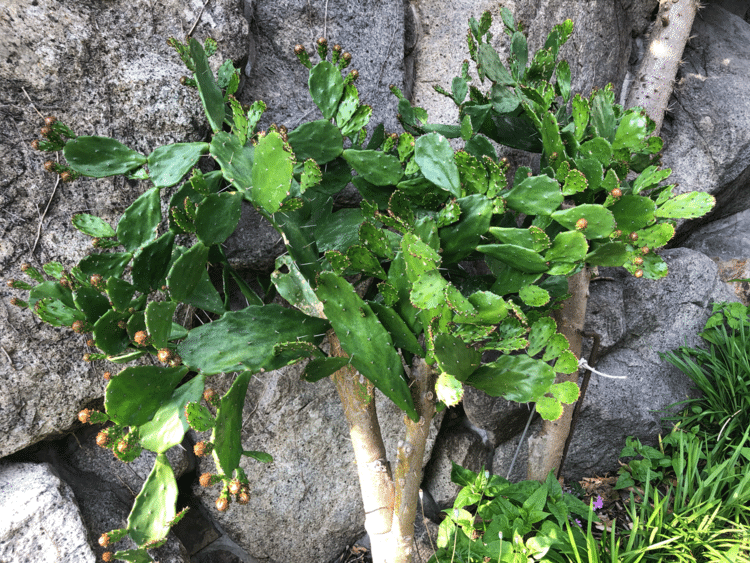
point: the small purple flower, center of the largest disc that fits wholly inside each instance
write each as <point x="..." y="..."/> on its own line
<point x="578" y="522"/>
<point x="599" y="502"/>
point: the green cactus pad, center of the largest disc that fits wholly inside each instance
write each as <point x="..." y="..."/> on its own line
<point x="217" y="217"/>
<point x="457" y="302"/>
<point x="272" y="172"/>
<point x="598" y="149"/>
<point x="566" y="392"/>
<point x="518" y="257"/>
<point x="311" y="175"/>
<point x="210" y="93"/>
<point x="362" y="260"/>
<point x="159" y="322"/>
<point x="492" y="67"/>
<point x="490" y="309"/>
<point x="168" y="426"/>
<point x="51" y="290"/>
<point x="448" y="389"/>
<point x="205" y="296"/>
<point x="92" y="225"/>
<point x="326" y="87"/>
<point x="455" y="357"/>
<point x="556" y="345"/>
<point x="319" y="140"/>
<point x="428" y="290"/>
<point x="167" y="165"/>
<point x="602" y="113"/>
<point x="575" y="182"/>
<point x="340" y="231"/>
<point x="549" y="408"/>
<point x="227" y="433"/>
<point x="120" y="293"/>
<point x="100" y="157"/>
<point x="235" y="159"/>
<point x="656" y="236"/>
<point x="650" y="177"/>
<point x="460" y="239"/>
<point x="609" y="254"/>
<point x="532" y="238"/>
<point x="376" y="167"/>
<point x="534" y="296"/>
<point x="551" y="140"/>
<point x="569" y="246"/>
<point x="516" y="378"/>
<point x="653" y="267"/>
<point x="262" y="457"/>
<point x="600" y="221"/>
<point x="133" y="556"/>
<point x="288" y="353"/>
<point x="375" y="240"/>
<point x="593" y="171"/>
<point x="633" y="212"/>
<point x="111" y="264"/>
<point x="358" y="121"/>
<point x="348" y="105"/>
<point x="472" y="173"/>
<point x="133" y="397"/>
<point x="246" y="338"/>
<point x="108" y="336"/>
<point x="295" y="288"/>
<point x="198" y="416"/>
<point x="154" y="507"/>
<point x="338" y="261"/>
<point x="566" y="363"/>
<point x="186" y="272"/>
<point x="535" y="195"/>
<point x="151" y="262"/>
<point x="632" y="131"/>
<point x="91" y="302"/>
<point x="135" y="323"/>
<point x="322" y="367"/>
<point x="365" y="339"/>
<point x="138" y="224"/>
<point x="57" y="313"/>
<point x="687" y="206"/>
<point x="540" y="333"/>
<point x="402" y="336"/>
<point x="434" y="155"/>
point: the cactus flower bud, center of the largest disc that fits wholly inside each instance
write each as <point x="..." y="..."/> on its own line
<point x="67" y="176"/>
<point x="79" y="327"/>
<point x="35" y="144"/>
<point x="19" y="302"/>
<point x="205" y="480"/>
<point x="50" y="121"/>
<point x="243" y="497"/>
<point x="633" y="236"/>
<point x="222" y="504"/>
<point x="97" y="280"/>
<point x="235" y="487"/>
<point x="202" y="449"/>
<point x="141" y="337"/>
<point x="645" y="249"/>
<point x="638" y="273"/>
<point x="90" y="342"/>
<point x="104" y="540"/>
<point x="85" y="416"/>
<point x="122" y="446"/>
<point x="617" y="233"/>
<point x="107" y="556"/>
<point x="122" y="324"/>
<point x="346" y="59"/>
<point x="637" y="260"/>
<point x="87" y="357"/>
<point x="45" y="131"/>
<point x="322" y="45"/>
<point x="302" y="55"/>
<point x="164" y="355"/>
<point x="209" y="395"/>
<point x="581" y="224"/>
<point x="49" y="166"/>
<point x="102" y="440"/>
<point x="617" y="192"/>
<point x="107" y="375"/>
<point x="175" y="361"/>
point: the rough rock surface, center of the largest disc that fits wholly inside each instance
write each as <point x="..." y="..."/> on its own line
<point x="707" y="136"/>
<point x="41" y="521"/>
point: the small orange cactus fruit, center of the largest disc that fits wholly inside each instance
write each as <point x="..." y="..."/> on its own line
<point x="638" y="273"/>
<point x="202" y="449"/>
<point x="49" y="121"/>
<point x="107" y="375"/>
<point x="104" y="540"/>
<point x="85" y="416"/>
<point x="633" y="236"/>
<point x="79" y="327"/>
<point x="141" y="337"/>
<point x="617" y="192"/>
<point x="235" y="487"/>
<point x="107" y="556"/>
<point x="637" y="260"/>
<point x="581" y="224"/>
<point x="122" y="446"/>
<point x="222" y="504"/>
<point x="243" y="497"/>
<point x="102" y="440"/>
<point x="205" y="480"/>
<point x="645" y="249"/>
<point x="209" y="395"/>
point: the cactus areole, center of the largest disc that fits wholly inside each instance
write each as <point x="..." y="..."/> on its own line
<point x="384" y="284"/>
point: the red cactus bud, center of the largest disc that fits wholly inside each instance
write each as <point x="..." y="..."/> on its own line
<point x="79" y="327"/>
<point x="355" y="74"/>
<point x="299" y="49"/>
<point x="617" y="192"/>
<point x="638" y="273"/>
<point x="322" y="41"/>
<point x="141" y="337"/>
<point x="243" y="497"/>
<point x="205" y="480"/>
<point x="337" y="47"/>
<point x="581" y="224"/>
<point x="85" y="416"/>
<point x="633" y="236"/>
<point x="165" y="355"/>
<point x="102" y="440"/>
<point x="222" y="504"/>
<point x="235" y="487"/>
<point x="645" y="249"/>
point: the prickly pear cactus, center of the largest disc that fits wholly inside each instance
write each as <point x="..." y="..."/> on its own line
<point x="388" y="279"/>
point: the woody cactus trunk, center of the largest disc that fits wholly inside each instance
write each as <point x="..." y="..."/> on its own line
<point x="385" y="282"/>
